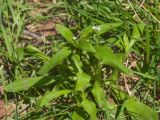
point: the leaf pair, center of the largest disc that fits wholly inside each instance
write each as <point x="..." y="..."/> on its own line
<point x="100" y="29"/>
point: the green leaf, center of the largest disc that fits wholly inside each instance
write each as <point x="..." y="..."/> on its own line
<point x="86" y="32"/>
<point x="22" y="84"/>
<point x="83" y="81"/>
<point x="141" y="27"/>
<point x="8" y="41"/>
<point x="76" y="116"/>
<point x="19" y="53"/>
<point x="90" y="108"/>
<point x="126" y="44"/>
<point x="125" y="41"/>
<point x="121" y="95"/>
<point x="100" y="29"/>
<point x="114" y="76"/>
<point x="49" y="96"/>
<point x="136" y="32"/>
<point x="106" y="56"/>
<point x="77" y="62"/>
<point x="106" y="27"/>
<point x="135" y="35"/>
<point x="55" y="60"/>
<point x="85" y="45"/>
<point x="140" y="111"/>
<point x="36" y="52"/>
<point x="47" y="80"/>
<point x="99" y="94"/>
<point x="65" y="32"/>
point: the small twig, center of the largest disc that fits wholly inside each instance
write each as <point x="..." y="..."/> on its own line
<point x="33" y="35"/>
<point x="142" y="6"/>
<point x="132" y="64"/>
<point x="125" y="81"/>
<point x="142" y="3"/>
<point x="126" y="86"/>
<point x="135" y="13"/>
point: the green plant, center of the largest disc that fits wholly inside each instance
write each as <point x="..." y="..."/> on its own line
<point x="89" y="72"/>
<point x="79" y="67"/>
